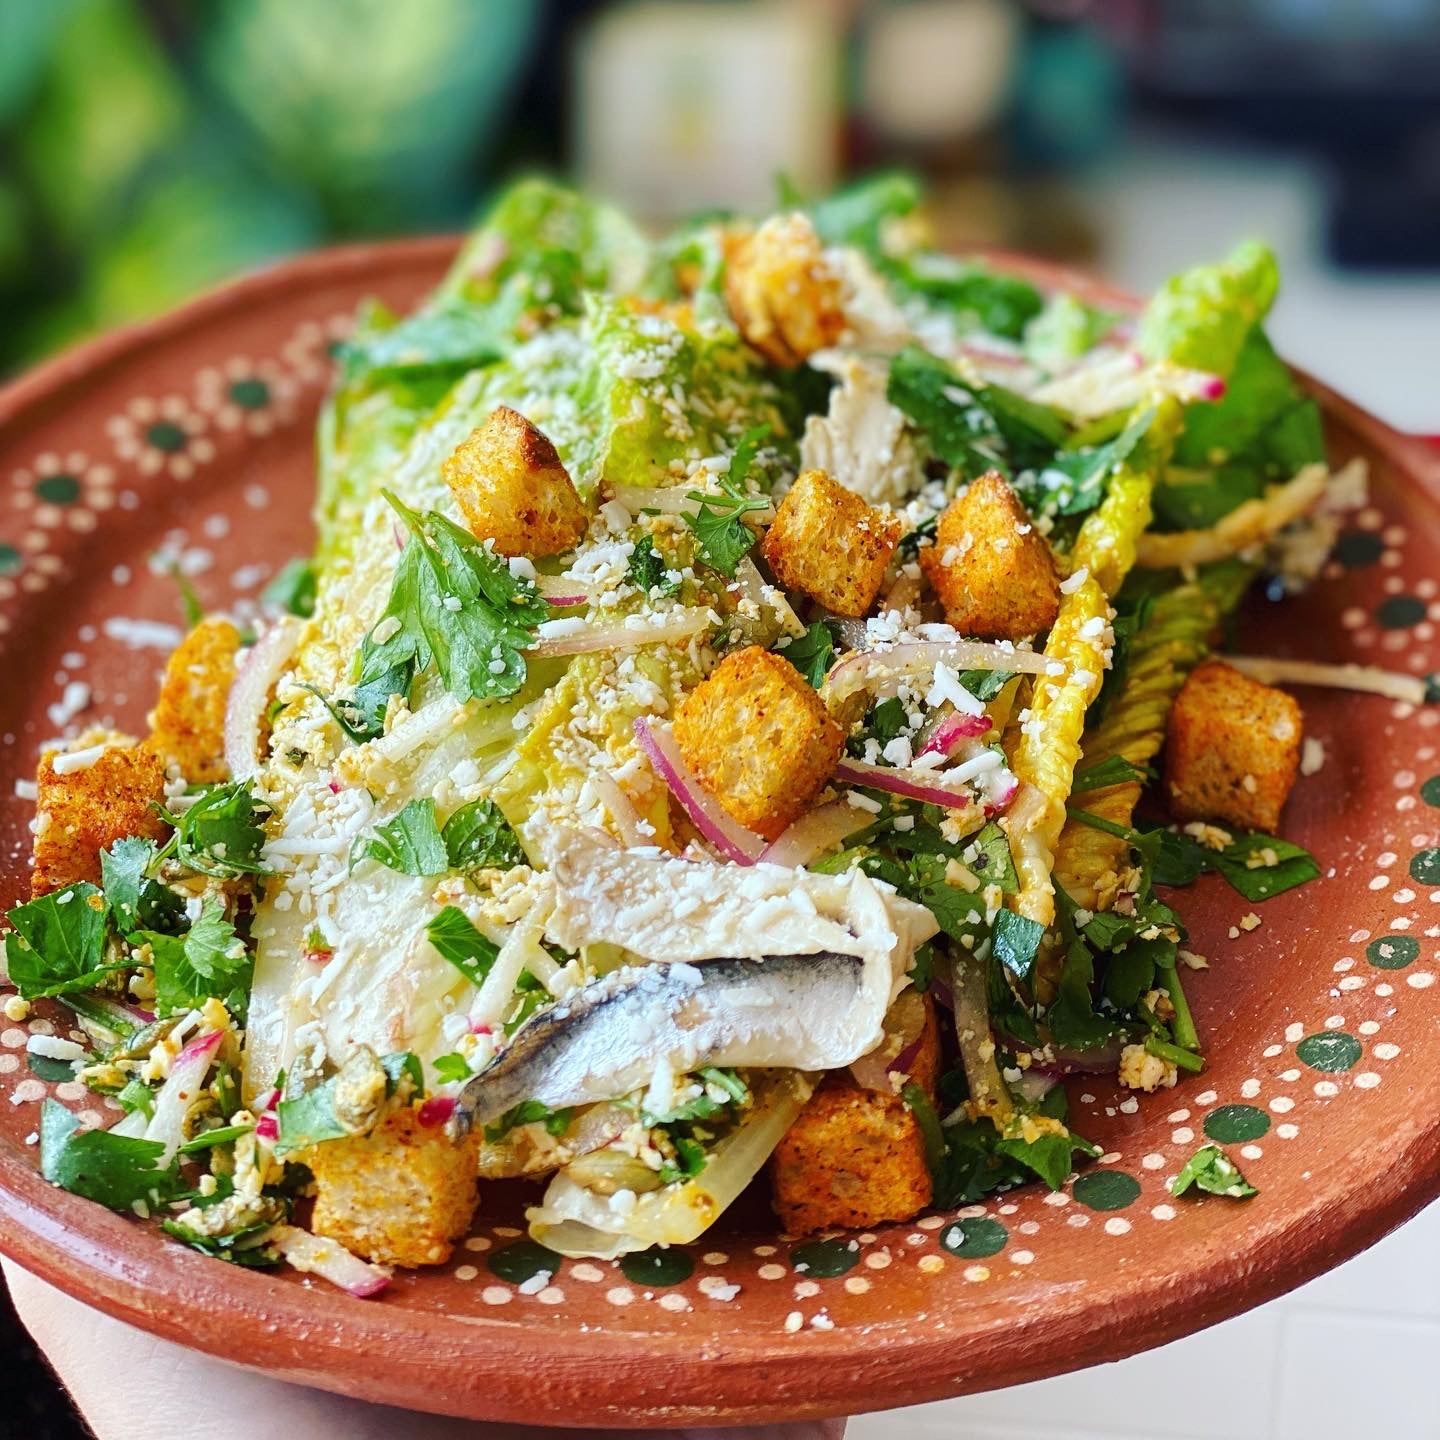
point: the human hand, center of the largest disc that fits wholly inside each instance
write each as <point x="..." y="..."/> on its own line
<point x="124" y="1381"/>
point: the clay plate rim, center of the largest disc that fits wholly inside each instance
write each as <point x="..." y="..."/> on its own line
<point x="493" y="1369"/>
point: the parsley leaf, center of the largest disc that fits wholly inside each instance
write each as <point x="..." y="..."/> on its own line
<point x="1113" y="770"/>
<point x="723" y="537"/>
<point x="136" y="900"/>
<point x="58" y="942"/>
<point x="451" y="1067"/>
<point x="293" y="588"/>
<point x="1294" y="866"/>
<point x="528" y="1112"/>
<point x="210" y="959"/>
<point x="220" y="833"/>
<point x="362" y="715"/>
<point x="647" y="569"/>
<point x="454" y="603"/>
<point x="114" y="1170"/>
<point x="409" y="842"/>
<point x="309" y="1118"/>
<point x="454" y="935"/>
<point x="1016" y="941"/>
<point x="985" y="685"/>
<point x="812" y="653"/>
<point x="993" y="863"/>
<point x="477" y="835"/>
<point x="1074" y="481"/>
<point x="1211" y="1170"/>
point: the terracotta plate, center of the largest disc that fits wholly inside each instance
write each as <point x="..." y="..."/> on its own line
<point x="191" y="437"/>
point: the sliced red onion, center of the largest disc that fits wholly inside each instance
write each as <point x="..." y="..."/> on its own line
<point x="249" y="694"/>
<point x="920" y="785"/>
<point x="267" y="1127"/>
<point x="578" y="636"/>
<point x="713" y="822"/>
<point x="561" y="592"/>
<point x="1033" y="1085"/>
<point x="815" y="833"/>
<point x="329" y="1259"/>
<point x="175" y="1097"/>
<point x="1103" y="1060"/>
<point x="881" y="671"/>
<point x="952" y="730"/>
<point x="904" y="1028"/>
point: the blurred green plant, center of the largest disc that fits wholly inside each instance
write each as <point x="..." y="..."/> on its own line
<point x="153" y="148"/>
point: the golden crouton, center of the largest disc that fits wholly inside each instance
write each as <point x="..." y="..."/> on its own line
<point x="80" y="812"/>
<point x="1232" y="747"/>
<point x="187" y="727"/>
<point x="781" y="293"/>
<point x="826" y="542"/>
<point x="856" y="1157"/>
<point x="401" y="1195"/>
<point x="994" y="573"/>
<point x="758" y="738"/>
<point x="512" y="488"/>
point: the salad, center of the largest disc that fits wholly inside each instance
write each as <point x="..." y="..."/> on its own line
<point x="717" y="740"/>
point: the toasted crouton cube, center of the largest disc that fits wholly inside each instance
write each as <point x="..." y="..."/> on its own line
<point x="759" y="739"/>
<point x="401" y="1195"/>
<point x="512" y="488"/>
<point x="1232" y="747"/>
<point x="856" y="1157"/>
<point x="826" y="542"/>
<point x="187" y="727"/>
<point x="994" y="573"/>
<point x="783" y="296"/>
<point x="102" y="789"/>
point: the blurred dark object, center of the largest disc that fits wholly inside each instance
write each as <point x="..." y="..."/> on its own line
<point x="1355" y="82"/>
<point x="32" y="1405"/>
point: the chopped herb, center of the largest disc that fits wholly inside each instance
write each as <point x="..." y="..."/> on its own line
<point x="362" y="715"/>
<point x="528" y="1112"/>
<point x="136" y="899"/>
<point x="1016" y="941"/>
<point x="1293" y="866"/>
<point x="812" y="653"/>
<point x="239" y="1247"/>
<point x="1074" y="481"/>
<point x="309" y="1118"/>
<point x="409" y="842"/>
<point x="722" y="535"/>
<point x="478" y="836"/>
<point x="220" y="832"/>
<point x="450" y="1068"/>
<point x="918" y="1104"/>
<point x="690" y="1160"/>
<point x="993" y="862"/>
<point x="454" y="603"/>
<point x="115" y="1170"/>
<point x="1211" y="1170"/>
<point x="985" y="685"/>
<point x="58" y="942"/>
<point x="1113" y="770"/>
<point x="454" y="935"/>
<point x="648" y="571"/>
<point x="208" y="960"/>
<point x="293" y="588"/>
<point x="220" y="1135"/>
<point x="402" y="1067"/>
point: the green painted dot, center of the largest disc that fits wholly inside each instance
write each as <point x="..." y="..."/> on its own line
<point x="1359" y="548"/>
<point x="58" y="489"/>
<point x="1230" y="1124"/>
<point x="1425" y="867"/>
<point x="1432" y="688"/>
<point x="975" y="1238"/>
<point x="1401" y="611"/>
<point x="522" y="1261"/>
<point x="10" y="561"/>
<point x="1107" y="1189"/>
<point x="824" y="1259"/>
<point x="1430" y="791"/>
<point x="1393" y="952"/>
<point x="1330" y="1050"/>
<point x="165" y="436"/>
<point x="657" y="1266"/>
<point x="250" y="394"/>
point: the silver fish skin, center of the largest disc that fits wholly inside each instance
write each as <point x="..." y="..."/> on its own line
<point x="608" y="1038"/>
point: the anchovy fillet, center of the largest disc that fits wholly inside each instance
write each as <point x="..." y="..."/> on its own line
<point x="610" y="1037"/>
